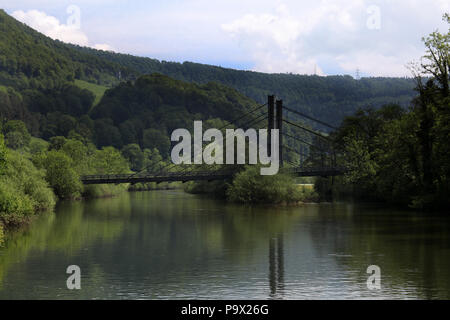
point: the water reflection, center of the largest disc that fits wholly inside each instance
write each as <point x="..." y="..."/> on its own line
<point x="160" y="245"/>
<point x="276" y="266"/>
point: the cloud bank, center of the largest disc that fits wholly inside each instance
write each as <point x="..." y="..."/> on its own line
<point x="347" y="34"/>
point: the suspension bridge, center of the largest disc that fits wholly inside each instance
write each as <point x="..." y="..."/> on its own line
<point x="303" y="151"/>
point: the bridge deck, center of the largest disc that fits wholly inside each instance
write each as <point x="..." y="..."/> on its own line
<point x="197" y="176"/>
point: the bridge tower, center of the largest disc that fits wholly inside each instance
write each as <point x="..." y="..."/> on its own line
<point x="271" y="119"/>
<point x="279" y="113"/>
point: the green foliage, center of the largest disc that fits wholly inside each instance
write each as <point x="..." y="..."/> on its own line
<point x="147" y="111"/>
<point x="216" y="189"/>
<point x="3" y="155"/>
<point x="109" y="160"/>
<point x="96" y="89"/>
<point x="152" y="138"/>
<point x="67" y="99"/>
<point x="60" y="173"/>
<point x="328" y="98"/>
<point x="2" y="235"/>
<point x="38" y="145"/>
<point x="30" y="59"/>
<point x="23" y="190"/>
<point x="16" y="134"/>
<point x="249" y="186"/>
<point x="134" y="155"/>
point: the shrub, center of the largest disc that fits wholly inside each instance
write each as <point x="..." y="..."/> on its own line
<point x="249" y="186"/>
<point x="30" y="180"/>
<point x="15" y="205"/>
<point x="23" y="190"/>
<point x="60" y="174"/>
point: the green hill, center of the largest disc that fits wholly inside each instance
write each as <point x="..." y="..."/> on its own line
<point x="328" y="98"/>
<point x="29" y="59"/>
<point x="53" y="86"/>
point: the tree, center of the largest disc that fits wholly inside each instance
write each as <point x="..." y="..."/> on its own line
<point x="134" y="155"/>
<point x="436" y="61"/>
<point x="152" y="138"/>
<point x="109" y="160"/>
<point x="16" y="134"/>
<point x="60" y="173"/>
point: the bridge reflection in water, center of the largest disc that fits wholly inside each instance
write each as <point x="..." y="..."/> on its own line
<point x="276" y="266"/>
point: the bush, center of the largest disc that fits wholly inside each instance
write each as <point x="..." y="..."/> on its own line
<point x="103" y="190"/>
<point x="60" y="174"/>
<point x="23" y="190"/>
<point x="16" y="134"/>
<point x="249" y="186"/>
<point x="15" y="205"/>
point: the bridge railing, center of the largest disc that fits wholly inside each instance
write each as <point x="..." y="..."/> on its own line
<point x="151" y="175"/>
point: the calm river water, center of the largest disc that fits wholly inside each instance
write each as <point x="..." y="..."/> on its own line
<point x="172" y="245"/>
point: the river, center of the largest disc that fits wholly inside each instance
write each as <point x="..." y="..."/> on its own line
<point x="173" y="245"/>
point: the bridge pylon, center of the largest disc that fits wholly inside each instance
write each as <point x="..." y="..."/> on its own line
<point x="279" y="126"/>
<point x="271" y="121"/>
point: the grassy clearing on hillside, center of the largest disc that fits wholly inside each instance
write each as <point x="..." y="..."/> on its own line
<point x="96" y="89"/>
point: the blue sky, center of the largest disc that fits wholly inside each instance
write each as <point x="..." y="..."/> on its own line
<point x="379" y="37"/>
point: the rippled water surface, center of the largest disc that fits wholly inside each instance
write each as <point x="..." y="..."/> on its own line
<point x="171" y="245"/>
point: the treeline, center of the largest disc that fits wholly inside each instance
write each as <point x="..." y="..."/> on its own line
<point x="35" y="173"/>
<point x="328" y="98"/>
<point x="402" y="156"/>
<point x="32" y="62"/>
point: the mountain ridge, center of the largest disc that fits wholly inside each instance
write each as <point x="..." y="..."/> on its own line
<point x="30" y="60"/>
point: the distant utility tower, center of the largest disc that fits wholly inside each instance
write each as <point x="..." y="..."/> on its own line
<point x="358" y="74"/>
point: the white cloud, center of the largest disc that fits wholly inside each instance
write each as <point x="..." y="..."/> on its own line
<point x="53" y="28"/>
<point x="104" y="47"/>
<point x="297" y="36"/>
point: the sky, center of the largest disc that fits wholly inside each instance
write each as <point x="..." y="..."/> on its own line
<point x="324" y="37"/>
